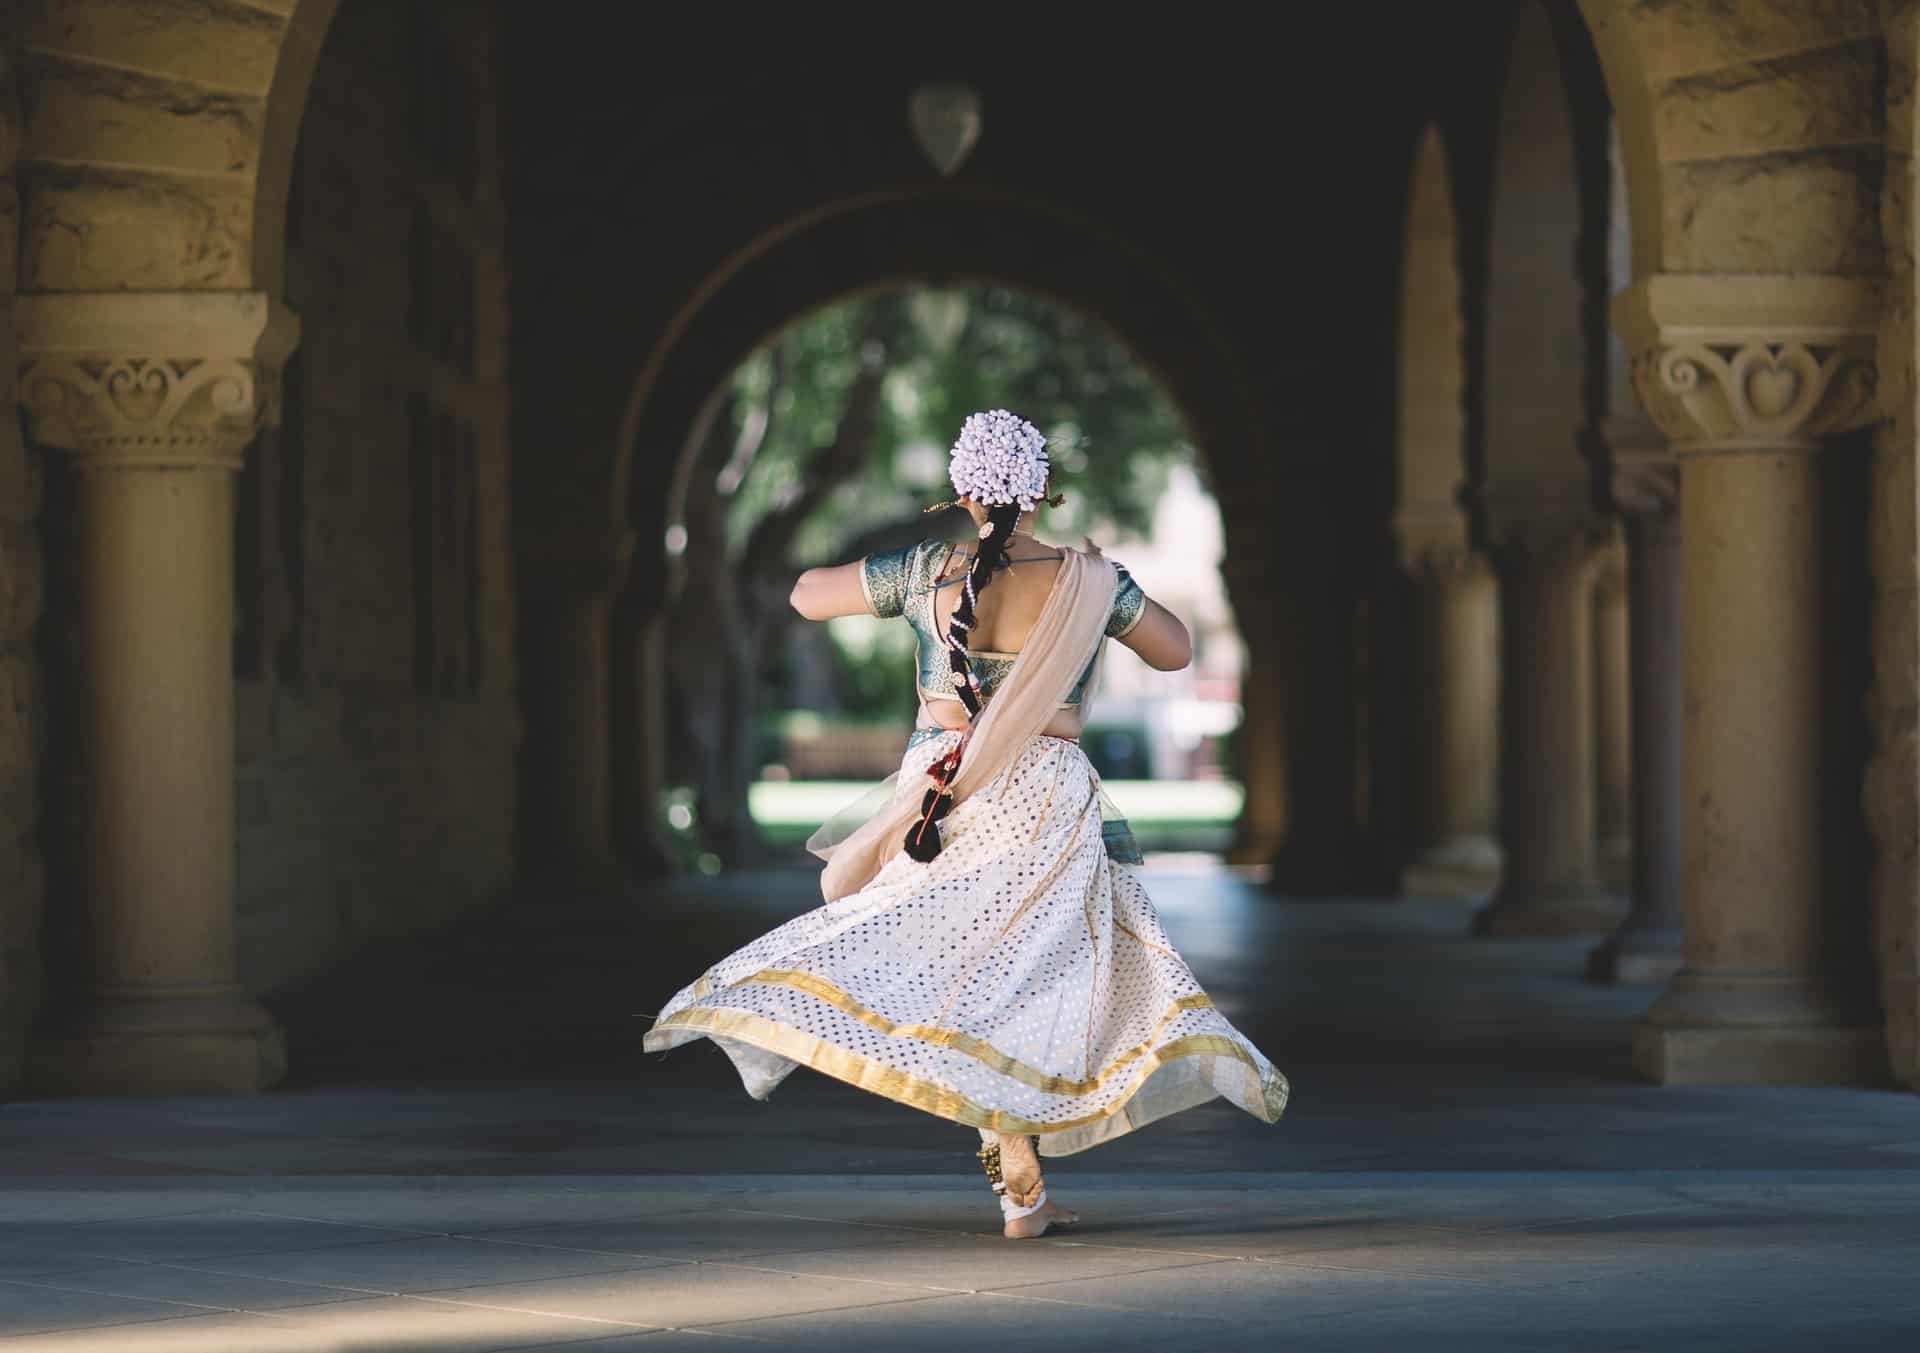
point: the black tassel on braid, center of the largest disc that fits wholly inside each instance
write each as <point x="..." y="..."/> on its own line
<point x="923" y="837"/>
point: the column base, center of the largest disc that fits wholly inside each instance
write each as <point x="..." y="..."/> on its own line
<point x="1616" y="864"/>
<point x="1903" y="1030"/>
<point x="1578" y="911"/>
<point x="1467" y="866"/>
<point x="1633" y="956"/>
<point x="216" y="1042"/>
<point x="1255" y="849"/>
<point x="1669" y="1055"/>
<point x="1760" y="1028"/>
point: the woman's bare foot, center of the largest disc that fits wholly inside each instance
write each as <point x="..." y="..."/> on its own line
<point x="1020" y="1166"/>
<point x="1036" y="1223"/>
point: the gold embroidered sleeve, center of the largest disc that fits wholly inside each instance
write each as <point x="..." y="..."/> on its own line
<point x="1129" y="604"/>
<point x="883" y="578"/>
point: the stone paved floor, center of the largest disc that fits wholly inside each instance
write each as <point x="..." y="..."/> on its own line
<point x="474" y="1156"/>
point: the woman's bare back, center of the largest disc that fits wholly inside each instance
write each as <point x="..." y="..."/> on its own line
<point x="1004" y="615"/>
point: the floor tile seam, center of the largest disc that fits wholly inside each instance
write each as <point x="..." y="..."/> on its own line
<point x="333" y="1221"/>
<point x="404" y="1292"/>
<point x="1291" y="1261"/>
<point x="143" y="1217"/>
<point x="837" y="1221"/>
<point x="1569" y="1218"/>
<point x="663" y="1259"/>
<point x="1202" y="1256"/>
<point x="1014" y="1288"/>
<point x="1014" y="1295"/>
<point x="1670" y="1244"/>
<point x="736" y="1266"/>
<point x="81" y="1263"/>
<point x="719" y="1326"/>
<point x="116" y="1296"/>
<point x="183" y="1260"/>
<point x="347" y="1293"/>
<point x="436" y="1299"/>
<point x="751" y="1254"/>
<point x="114" y="1324"/>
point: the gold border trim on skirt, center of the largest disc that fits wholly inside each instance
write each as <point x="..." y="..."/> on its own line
<point x="964" y="1043"/>
<point x="864" y="1073"/>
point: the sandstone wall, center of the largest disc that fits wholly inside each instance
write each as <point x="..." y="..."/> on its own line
<point x="377" y="720"/>
<point x="22" y="875"/>
<point x="1893" y="776"/>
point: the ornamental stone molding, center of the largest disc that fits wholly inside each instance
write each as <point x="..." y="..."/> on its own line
<point x="1444" y="565"/>
<point x="159" y="380"/>
<point x="1752" y="362"/>
<point x="1646" y="484"/>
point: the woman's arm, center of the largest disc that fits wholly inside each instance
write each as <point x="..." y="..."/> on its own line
<point x="1160" y="639"/>
<point x="823" y="593"/>
<point x="1157" y="636"/>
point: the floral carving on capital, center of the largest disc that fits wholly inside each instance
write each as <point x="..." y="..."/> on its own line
<point x="1735" y="393"/>
<point x="151" y="379"/>
<point x="145" y="410"/>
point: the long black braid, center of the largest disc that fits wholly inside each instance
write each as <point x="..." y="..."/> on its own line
<point x="923" y="838"/>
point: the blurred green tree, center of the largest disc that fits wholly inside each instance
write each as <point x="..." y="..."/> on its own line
<point x="834" y="439"/>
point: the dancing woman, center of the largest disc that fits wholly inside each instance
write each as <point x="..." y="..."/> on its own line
<point x="987" y="952"/>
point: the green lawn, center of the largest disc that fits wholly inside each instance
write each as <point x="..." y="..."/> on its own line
<point x="1164" y="814"/>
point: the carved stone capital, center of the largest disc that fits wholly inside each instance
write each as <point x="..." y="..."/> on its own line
<point x="1646" y="485"/>
<point x="152" y="379"/>
<point x="1731" y="364"/>
<point x="1553" y="547"/>
<point x="1446" y="565"/>
<point x="1610" y="568"/>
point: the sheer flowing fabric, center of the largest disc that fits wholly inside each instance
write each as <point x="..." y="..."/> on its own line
<point x="1064" y="638"/>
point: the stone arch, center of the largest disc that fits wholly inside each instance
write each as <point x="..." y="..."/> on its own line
<point x="948" y="238"/>
<point x="159" y="151"/>
<point x="1751" y="141"/>
<point x="1430" y="433"/>
<point x="856" y="245"/>
<point x="1451" y="743"/>
<point x="1542" y="352"/>
<point x="1536" y="359"/>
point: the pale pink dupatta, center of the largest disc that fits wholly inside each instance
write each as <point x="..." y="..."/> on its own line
<point x="1064" y="640"/>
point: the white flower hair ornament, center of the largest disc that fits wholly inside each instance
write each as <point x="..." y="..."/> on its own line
<point x="999" y="458"/>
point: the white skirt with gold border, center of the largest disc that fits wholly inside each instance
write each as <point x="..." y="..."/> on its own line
<point x="1020" y="982"/>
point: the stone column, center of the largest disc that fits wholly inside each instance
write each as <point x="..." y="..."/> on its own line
<point x="639" y="733"/>
<point x="570" y="583"/>
<point x="1646" y="947"/>
<point x="1454" y="725"/>
<point x="1747" y="376"/>
<point x="1260" y="749"/>
<point x="1312" y="618"/>
<point x="156" y="397"/>
<point x="1551" y="884"/>
<point x="1612" y="720"/>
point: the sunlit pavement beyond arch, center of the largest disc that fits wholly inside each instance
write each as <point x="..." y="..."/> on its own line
<point x="475" y="1156"/>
